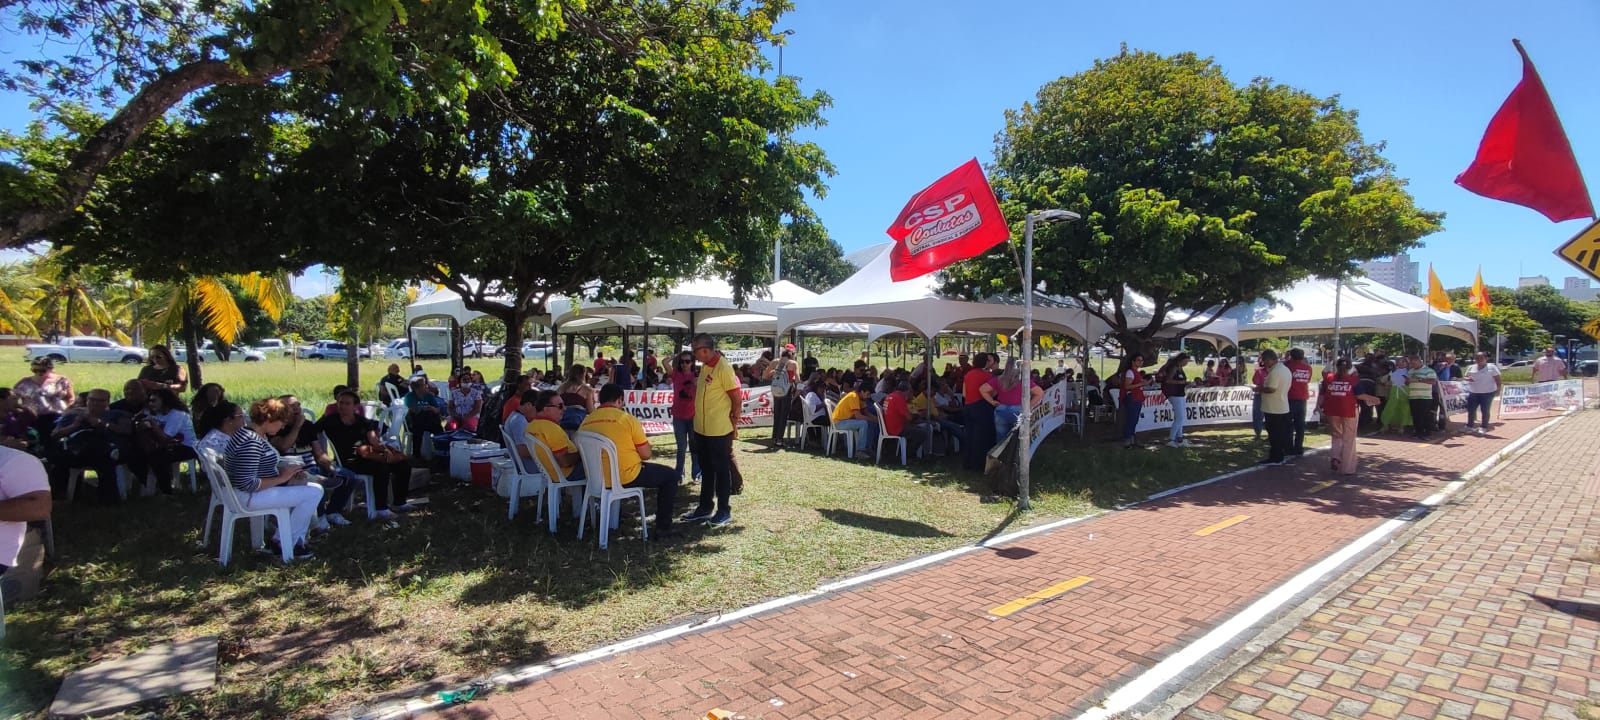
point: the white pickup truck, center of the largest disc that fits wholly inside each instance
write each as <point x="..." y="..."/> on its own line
<point x="87" y="348"/>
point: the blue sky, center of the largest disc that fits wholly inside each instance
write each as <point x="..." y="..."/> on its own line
<point x="920" y="86"/>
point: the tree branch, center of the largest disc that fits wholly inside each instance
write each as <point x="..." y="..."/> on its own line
<point x="118" y="133"/>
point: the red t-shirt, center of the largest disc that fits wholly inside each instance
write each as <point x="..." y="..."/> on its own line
<point x="1339" y="395"/>
<point x="971" y="383"/>
<point x="896" y="413"/>
<point x="1133" y="385"/>
<point x="1299" y="380"/>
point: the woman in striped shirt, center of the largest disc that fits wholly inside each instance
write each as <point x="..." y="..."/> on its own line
<point x="256" y="474"/>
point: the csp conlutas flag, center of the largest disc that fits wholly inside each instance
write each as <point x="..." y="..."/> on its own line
<point x="954" y="219"/>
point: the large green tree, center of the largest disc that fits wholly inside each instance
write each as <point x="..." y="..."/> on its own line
<point x="811" y="259"/>
<point x="1558" y="315"/>
<point x="1195" y="192"/>
<point x="1522" y="332"/>
<point x="135" y="62"/>
<point x="624" y="155"/>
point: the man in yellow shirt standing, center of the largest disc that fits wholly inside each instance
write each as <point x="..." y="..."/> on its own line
<point x="612" y="420"/>
<point x="717" y="402"/>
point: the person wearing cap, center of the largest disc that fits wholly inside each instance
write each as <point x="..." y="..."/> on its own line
<point x="851" y="415"/>
<point x="783" y="376"/>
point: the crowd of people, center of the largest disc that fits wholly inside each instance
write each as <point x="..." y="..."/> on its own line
<point x="277" y="455"/>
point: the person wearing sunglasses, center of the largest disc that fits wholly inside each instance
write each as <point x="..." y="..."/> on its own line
<point x="683" y="379"/>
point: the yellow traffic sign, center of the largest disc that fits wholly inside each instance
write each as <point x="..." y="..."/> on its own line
<point x="1583" y="250"/>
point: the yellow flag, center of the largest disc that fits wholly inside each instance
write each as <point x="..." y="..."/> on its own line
<point x="1047" y="341"/>
<point x="1004" y="341"/>
<point x="1436" y="296"/>
<point x="1480" y="295"/>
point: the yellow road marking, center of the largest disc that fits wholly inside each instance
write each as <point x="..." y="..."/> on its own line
<point x="1324" y="485"/>
<point x="1225" y="524"/>
<point x="1040" y="596"/>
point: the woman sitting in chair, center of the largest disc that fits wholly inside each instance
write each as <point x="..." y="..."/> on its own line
<point x="167" y="435"/>
<point x="263" y="482"/>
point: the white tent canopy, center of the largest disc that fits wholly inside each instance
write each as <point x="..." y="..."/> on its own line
<point x="917" y="305"/>
<point x="687" y="303"/>
<point x="442" y="305"/>
<point x="1364" y="306"/>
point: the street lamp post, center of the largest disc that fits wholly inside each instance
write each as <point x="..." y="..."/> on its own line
<point x="777" y="243"/>
<point x="1025" y="422"/>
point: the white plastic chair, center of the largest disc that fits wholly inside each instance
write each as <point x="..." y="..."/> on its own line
<point x="599" y="463"/>
<point x="233" y="510"/>
<point x="553" y="487"/>
<point x="835" y="432"/>
<point x="883" y="435"/>
<point x="526" y="479"/>
<point x="76" y="475"/>
<point x="366" y="480"/>
<point x="814" y="420"/>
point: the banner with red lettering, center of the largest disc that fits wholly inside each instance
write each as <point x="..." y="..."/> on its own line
<point x="654" y="409"/>
<point x="951" y="220"/>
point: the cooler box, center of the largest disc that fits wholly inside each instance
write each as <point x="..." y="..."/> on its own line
<point x="462" y="453"/>
<point x="481" y="466"/>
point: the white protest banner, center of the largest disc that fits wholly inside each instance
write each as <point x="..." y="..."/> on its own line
<point x="1526" y="400"/>
<point x="654" y="409"/>
<point x="744" y="357"/>
<point x="1049" y="414"/>
<point x="1208" y="406"/>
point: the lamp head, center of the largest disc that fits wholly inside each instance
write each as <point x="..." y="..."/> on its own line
<point x="1054" y="216"/>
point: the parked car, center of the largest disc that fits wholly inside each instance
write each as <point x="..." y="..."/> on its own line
<point x="537" y="350"/>
<point x="480" y="348"/>
<point x="209" y="352"/>
<point x="1518" y="364"/>
<point x="328" y="350"/>
<point x="274" y="346"/>
<point x="86" y="348"/>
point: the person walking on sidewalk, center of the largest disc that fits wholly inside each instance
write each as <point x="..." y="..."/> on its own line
<point x="1337" y="404"/>
<point x="1175" y="385"/>
<point x="717" y="402"/>
<point x="1419" y="390"/>
<point x="1299" y="393"/>
<point x="1274" y="392"/>
<point x="1483" y="383"/>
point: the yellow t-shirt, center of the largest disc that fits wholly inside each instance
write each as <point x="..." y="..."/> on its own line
<point x="849" y="404"/>
<point x="919" y="406"/>
<point x="624" y="430"/>
<point x="551" y="435"/>
<point x="712" y="406"/>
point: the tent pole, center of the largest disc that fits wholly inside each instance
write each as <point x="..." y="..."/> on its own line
<point x="1338" y="293"/>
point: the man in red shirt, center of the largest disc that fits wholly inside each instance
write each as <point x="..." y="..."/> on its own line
<point x="1299" y="393"/>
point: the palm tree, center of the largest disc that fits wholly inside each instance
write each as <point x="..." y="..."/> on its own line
<point x="359" y="307"/>
<point x="64" y="297"/>
<point x="16" y="315"/>
<point x="205" y="304"/>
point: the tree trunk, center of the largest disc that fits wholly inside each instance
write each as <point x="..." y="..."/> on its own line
<point x="352" y="361"/>
<point x="513" y="323"/>
<point x="190" y="329"/>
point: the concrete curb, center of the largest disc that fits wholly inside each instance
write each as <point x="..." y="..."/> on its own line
<point x="1236" y="660"/>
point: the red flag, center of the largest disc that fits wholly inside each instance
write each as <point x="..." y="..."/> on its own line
<point x="1525" y="157"/>
<point x="951" y="220"/>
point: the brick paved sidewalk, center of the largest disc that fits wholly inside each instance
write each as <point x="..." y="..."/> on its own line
<point x="1484" y="613"/>
<point x="1127" y="589"/>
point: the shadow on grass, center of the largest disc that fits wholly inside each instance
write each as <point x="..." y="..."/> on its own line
<point x="891" y="526"/>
